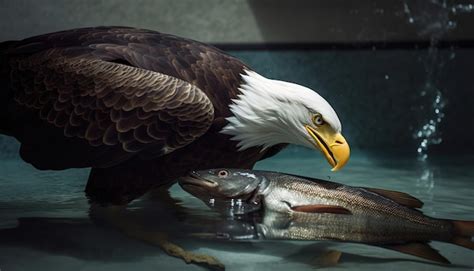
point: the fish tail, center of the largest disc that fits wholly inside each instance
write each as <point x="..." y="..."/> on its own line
<point x="463" y="233"/>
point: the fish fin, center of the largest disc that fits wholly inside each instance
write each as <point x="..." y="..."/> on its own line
<point x="319" y="208"/>
<point x="463" y="241"/>
<point x="398" y="197"/>
<point x="328" y="258"/>
<point x="463" y="230"/>
<point x="422" y="250"/>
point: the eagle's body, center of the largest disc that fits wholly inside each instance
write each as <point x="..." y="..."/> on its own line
<point x="142" y="108"/>
<point x="139" y="107"/>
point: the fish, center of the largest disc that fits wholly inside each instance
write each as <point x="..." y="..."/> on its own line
<point x="302" y="208"/>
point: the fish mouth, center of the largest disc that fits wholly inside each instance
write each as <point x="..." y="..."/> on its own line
<point x="195" y="184"/>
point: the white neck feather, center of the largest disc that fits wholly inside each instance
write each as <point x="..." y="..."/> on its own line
<point x="270" y="112"/>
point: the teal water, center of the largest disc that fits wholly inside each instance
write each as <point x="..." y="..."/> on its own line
<point x="46" y="225"/>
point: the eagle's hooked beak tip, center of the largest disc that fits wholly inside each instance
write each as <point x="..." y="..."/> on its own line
<point x="333" y="145"/>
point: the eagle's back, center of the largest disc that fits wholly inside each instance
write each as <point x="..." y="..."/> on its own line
<point x="140" y="164"/>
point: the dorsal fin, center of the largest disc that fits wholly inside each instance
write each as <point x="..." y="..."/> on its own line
<point x="422" y="250"/>
<point x="398" y="197"/>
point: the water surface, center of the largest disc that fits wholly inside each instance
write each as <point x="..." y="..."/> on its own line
<point x="45" y="222"/>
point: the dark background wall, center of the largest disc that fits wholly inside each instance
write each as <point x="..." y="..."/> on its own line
<point x="244" y="21"/>
<point x="380" y="63"/>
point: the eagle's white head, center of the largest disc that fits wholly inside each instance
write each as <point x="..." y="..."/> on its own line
<point x="269" y="112"/>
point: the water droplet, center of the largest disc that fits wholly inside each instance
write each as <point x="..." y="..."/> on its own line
<point x="386" y="77"/>
<point x="451" y="25"/>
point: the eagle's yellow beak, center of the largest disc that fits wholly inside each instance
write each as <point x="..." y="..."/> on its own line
<point x="333" y="145"/>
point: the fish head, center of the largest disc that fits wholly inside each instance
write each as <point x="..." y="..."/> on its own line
<point x="221" y="183"/>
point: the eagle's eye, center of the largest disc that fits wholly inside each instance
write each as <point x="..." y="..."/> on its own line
<point x="223" y="173"/>
<point x="318" y="120"/>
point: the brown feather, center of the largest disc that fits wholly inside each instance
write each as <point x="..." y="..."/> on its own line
<point x="85" y="105"/>
<point x="75" y="90"/>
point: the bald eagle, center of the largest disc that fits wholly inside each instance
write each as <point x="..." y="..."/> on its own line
<point x="142" y="108"/>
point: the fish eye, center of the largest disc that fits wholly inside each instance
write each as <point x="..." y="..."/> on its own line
<point x="318" y="119"/>
<point x="223" y="173"/>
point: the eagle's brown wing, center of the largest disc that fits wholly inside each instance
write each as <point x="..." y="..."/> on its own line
<point x="65" y="95"/>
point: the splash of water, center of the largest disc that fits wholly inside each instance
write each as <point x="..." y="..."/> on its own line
<point x="462" y="8"/>
<point x="433" y="19"/>
<point x="429" y="134"/>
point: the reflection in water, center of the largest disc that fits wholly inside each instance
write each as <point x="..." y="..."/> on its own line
<point x="78" y="238"/>
<point x="367" y="228"/>
<point x="54" y="230"/>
